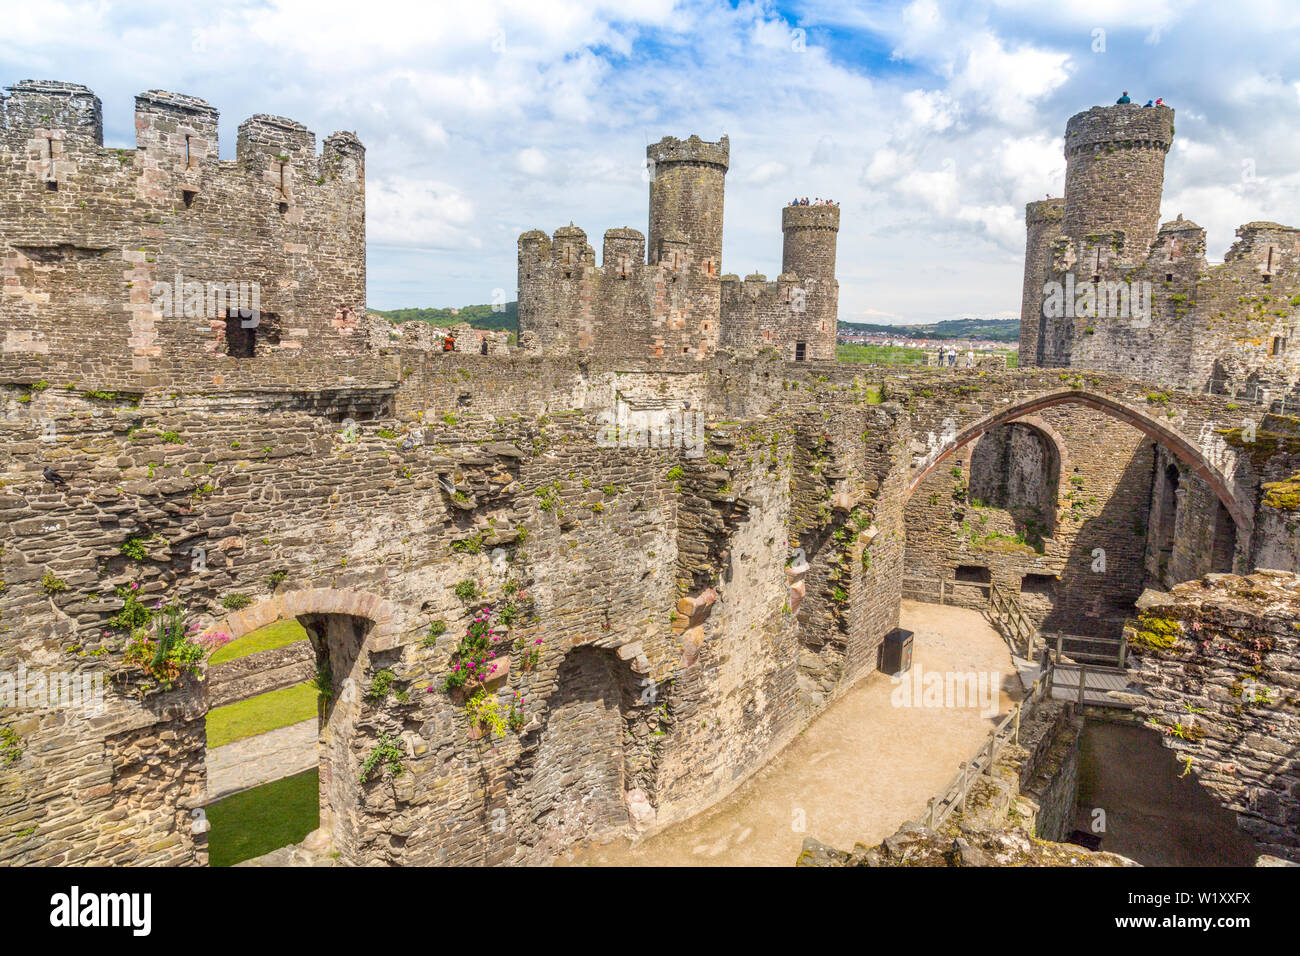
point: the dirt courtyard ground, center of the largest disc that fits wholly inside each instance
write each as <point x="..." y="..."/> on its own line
<point x="856" y="773"/>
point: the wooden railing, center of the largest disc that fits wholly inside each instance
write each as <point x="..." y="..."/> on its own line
<point x="937" y="590"/>
<point x="953" y="796"/>
<point x="1019" y="631"/>
<point x="1012" y="621"/>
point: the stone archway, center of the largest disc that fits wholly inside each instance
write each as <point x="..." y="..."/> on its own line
<point x="1171" y="440"/>
<point x="1018" y="466"/>
<point x="344" y="627"/>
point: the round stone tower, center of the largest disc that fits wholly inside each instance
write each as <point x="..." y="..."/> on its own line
<point x="810" y="234"/>
<point x="1042" y="225"/>
<point x="808" y="252"/>
<point x="1114" y="172"/>
<point x="686" y="186"/>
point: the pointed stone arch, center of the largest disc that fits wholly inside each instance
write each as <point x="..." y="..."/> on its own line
<point x="1177" y="444"/>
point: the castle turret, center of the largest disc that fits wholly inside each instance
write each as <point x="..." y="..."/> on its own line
<point x="686" y="190"/>
<point x="809" y="254"/>
<point x="1042" y="225"/>
<point x="1114" y="173"/>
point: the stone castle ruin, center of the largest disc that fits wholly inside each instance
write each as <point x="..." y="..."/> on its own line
<point x="678" y="302"/>
<point x="1138" y="298"/>
<point x="669" y="614"/>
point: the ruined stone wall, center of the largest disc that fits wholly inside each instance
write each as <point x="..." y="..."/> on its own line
<point x="365" y="528"/>
<point x="1220" y="660"/>
<point x="90" y="234"/>
<point x="1224" y="329"/>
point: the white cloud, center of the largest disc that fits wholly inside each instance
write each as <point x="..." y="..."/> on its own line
<point x="530" y="161"/>
<point x="933" y="124"/>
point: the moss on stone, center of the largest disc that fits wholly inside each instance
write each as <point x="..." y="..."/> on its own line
<point x="1283" y="495"/>
<point x="1153" y="633"/>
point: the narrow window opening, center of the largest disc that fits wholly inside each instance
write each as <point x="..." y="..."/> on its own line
<point x="800" y="351"/>
<point x="483" y="346"/>
<point x="241" y="342"/>
<point x="188" y="196"/>
<point x="1267" y="279"/>
<point x="1279" y="345"/>
<point x="52" y="186"/>
<point x="284" y="208"/>
<point x="1169" y="277"/>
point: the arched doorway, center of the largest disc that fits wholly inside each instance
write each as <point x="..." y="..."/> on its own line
<point x="333" y="634"/>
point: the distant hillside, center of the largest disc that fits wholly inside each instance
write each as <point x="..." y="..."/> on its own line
<point x="996" y="330"/>
<point x="478" y="316"/>
<point x="482" y="317"/>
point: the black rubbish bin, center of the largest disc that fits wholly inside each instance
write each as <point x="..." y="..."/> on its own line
<point x="896" y="652"/>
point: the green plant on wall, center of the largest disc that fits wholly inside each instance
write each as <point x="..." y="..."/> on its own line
<point x="386" y="753"/>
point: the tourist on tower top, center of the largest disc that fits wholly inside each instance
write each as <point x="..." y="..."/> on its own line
<point x="1123" y="99"/>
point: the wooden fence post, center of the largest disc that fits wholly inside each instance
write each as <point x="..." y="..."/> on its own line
<point x="1083" y="683"/>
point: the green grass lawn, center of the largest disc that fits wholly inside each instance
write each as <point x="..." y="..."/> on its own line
<point x="257" y="715"/>
<point x="899" y="355"/>
<point x="263" y="819"/>
<point x="268" y="638"/>
<point x="880" y="354"/>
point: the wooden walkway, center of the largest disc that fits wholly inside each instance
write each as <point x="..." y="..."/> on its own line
<point x="1099" y="685"/>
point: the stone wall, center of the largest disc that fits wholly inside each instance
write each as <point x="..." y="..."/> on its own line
<point x="93" y="239"/>
<point x="1220" y="661"/>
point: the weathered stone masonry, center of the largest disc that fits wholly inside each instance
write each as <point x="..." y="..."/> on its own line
<point x="696" y="604"/>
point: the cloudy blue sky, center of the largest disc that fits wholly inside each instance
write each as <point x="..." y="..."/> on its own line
<point x="932" y="123"/>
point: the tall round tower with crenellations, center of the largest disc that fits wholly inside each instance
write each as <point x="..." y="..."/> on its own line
<point x="808" y="252"/>
<point x="1114" y="173"/>
<point x="1042" y="225"/>
<point x="686" y="189"/>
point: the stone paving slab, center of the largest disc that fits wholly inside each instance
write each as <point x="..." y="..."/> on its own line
<point x="254" y="761"/>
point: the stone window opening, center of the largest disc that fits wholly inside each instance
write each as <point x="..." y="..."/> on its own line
<point x="483" y="348"/>
<point x="241" y="342"/>
<point x="1279" y="345"/>
<point x="800" y="351"/>
<point x="284" y="207"/>
<point x="1267" y="278"/>
<point x="243" y="334"/>
<point x="972" y="574"/>
<point x="187" y="197"/>
<point x="1169" y="277"/>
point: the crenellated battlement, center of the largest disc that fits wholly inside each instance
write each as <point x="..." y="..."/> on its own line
<point x="666" y="296"/>
<point x="53" y="121"/>
<point x="1126" y="126"/>
<point x="810" y="217"/>
<point x="670" y="149"/>
<point x="94" y="238"/>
